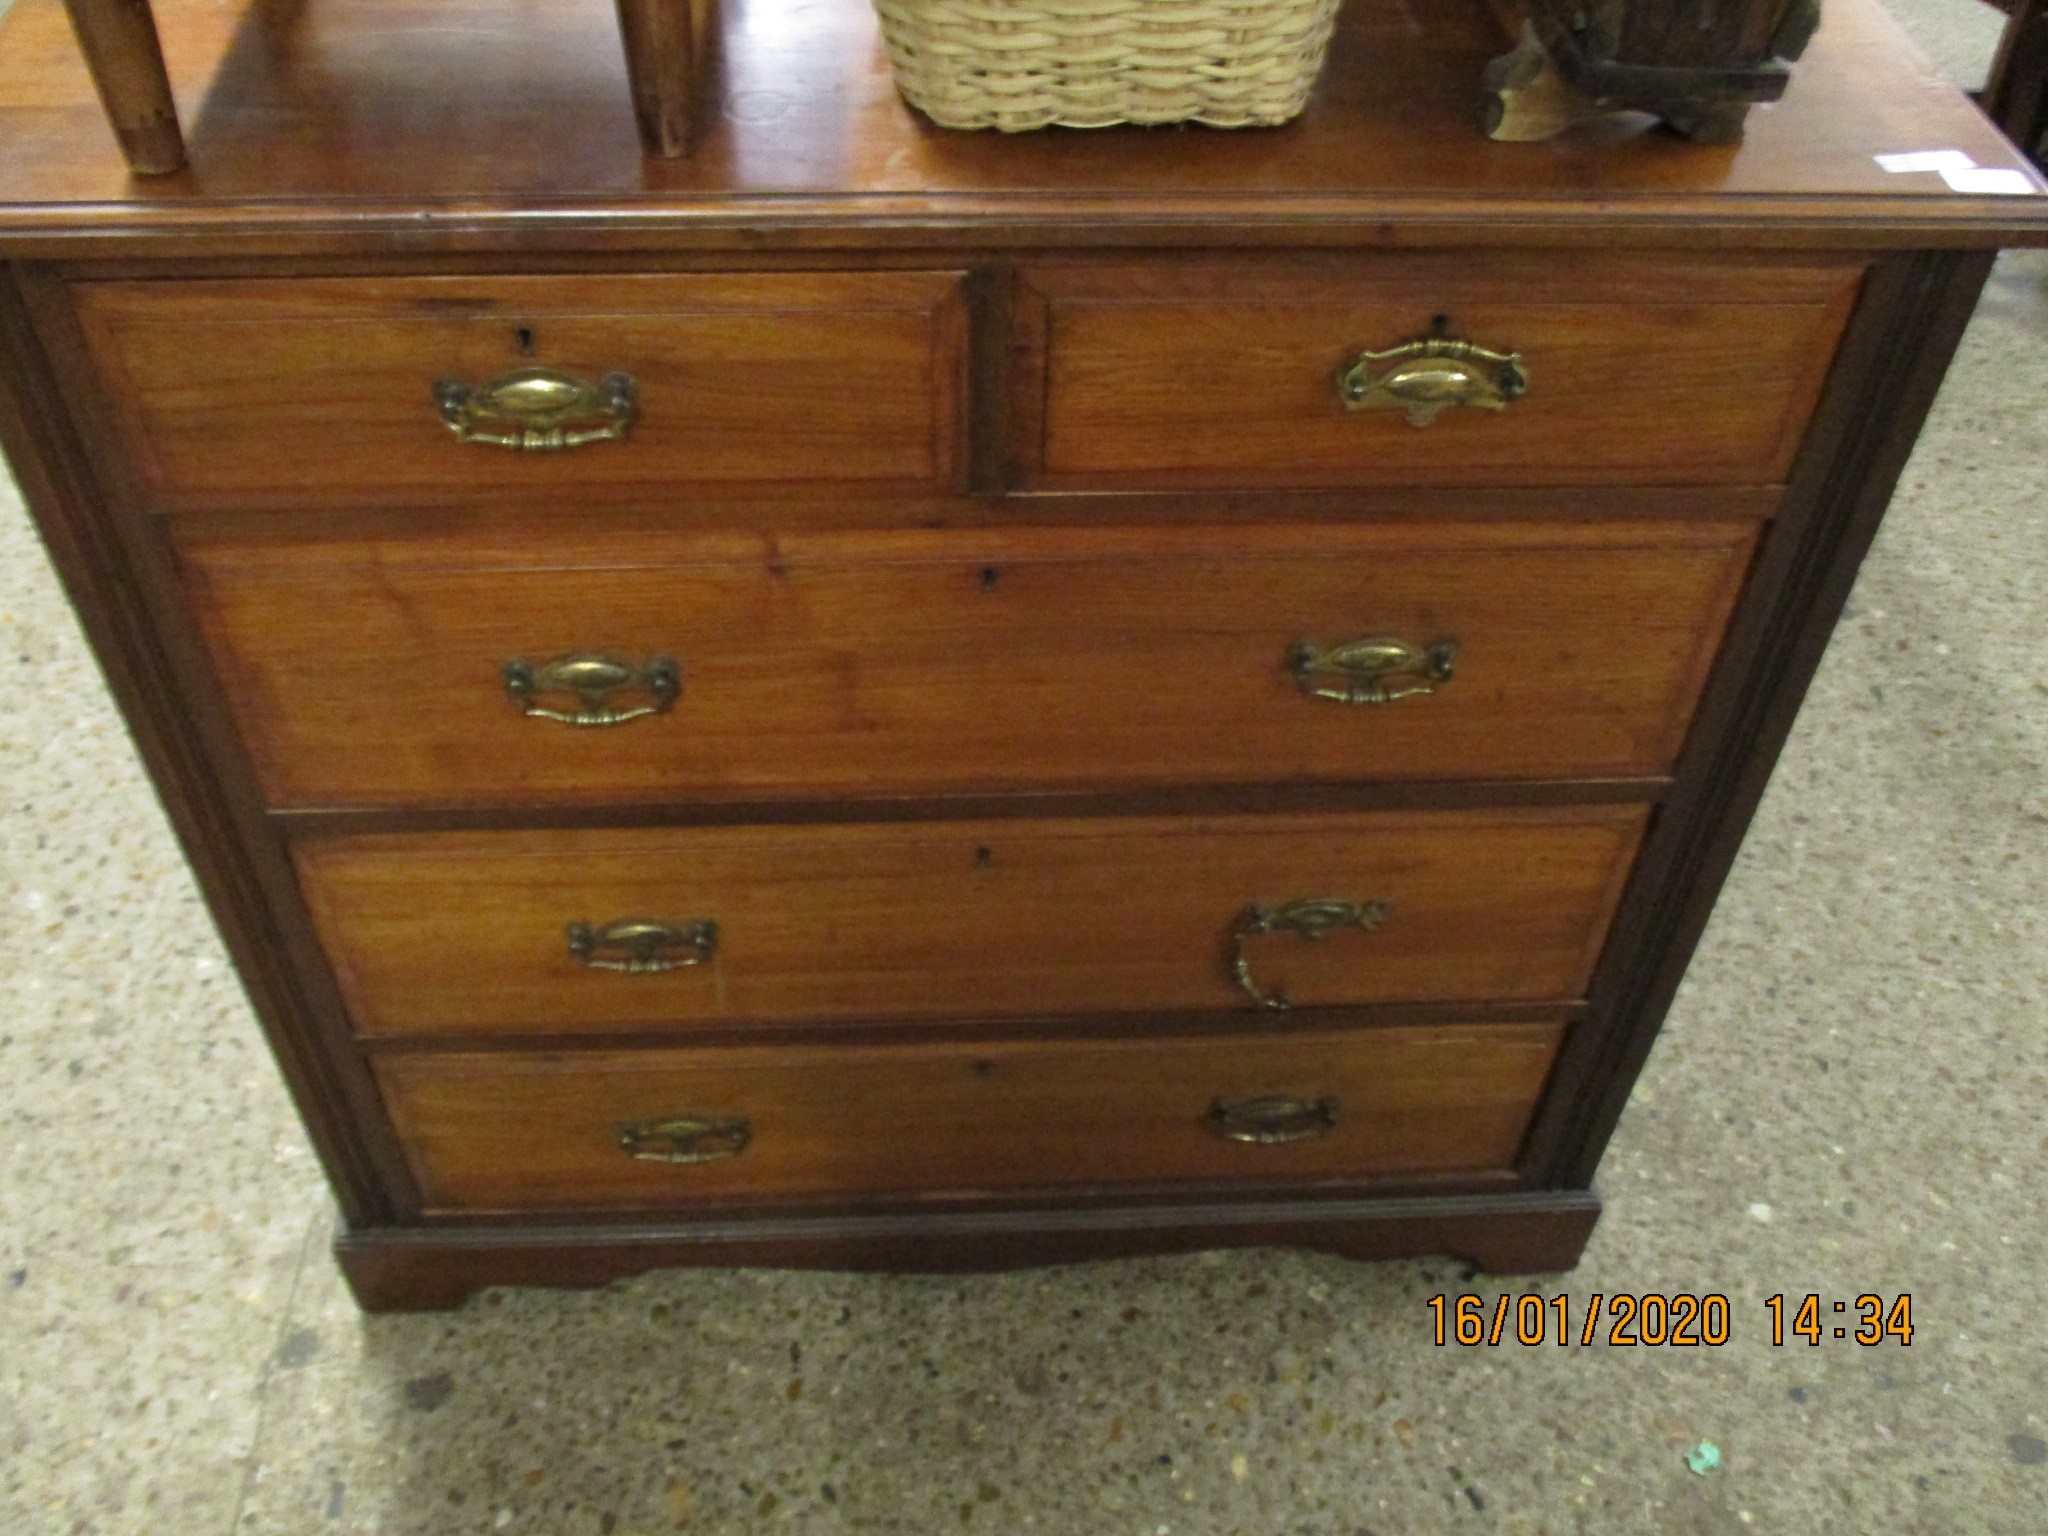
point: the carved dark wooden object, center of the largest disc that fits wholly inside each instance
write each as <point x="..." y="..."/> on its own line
<point x="1698" y="64"/>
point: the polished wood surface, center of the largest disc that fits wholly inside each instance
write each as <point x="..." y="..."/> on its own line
<point x="464" y="932"/>
<point x="1655" y="372"/>
<point x="518" y="1132"/>
<point x="275" y="393"/>
<point x="424" y="125"/>
<point x="367" y="672"/>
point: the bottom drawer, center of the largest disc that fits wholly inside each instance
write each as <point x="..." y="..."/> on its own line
<point x="507" y="1131"/>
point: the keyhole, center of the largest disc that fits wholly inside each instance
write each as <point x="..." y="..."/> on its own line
<point x="523" y="338"/>
<point x="989" y="577"/>
<point x="983" y="857"/>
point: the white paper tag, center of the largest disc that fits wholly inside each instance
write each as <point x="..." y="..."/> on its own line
<point x="1928" y="160"/>
<point x="1985" y="178"/>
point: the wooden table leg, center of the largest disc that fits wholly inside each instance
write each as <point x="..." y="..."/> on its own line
<point x="2016" y="97"/>
<point x="666" y="44"/>
<point x="118" y="39"/>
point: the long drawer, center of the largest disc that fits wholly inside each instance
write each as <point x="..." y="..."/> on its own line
<point x="388" y="672"/>
<point x="596" y="930"/>
<point x="1422" y="369"/>
<point x="661" y="1128"/>
<point x="268" y="393"/>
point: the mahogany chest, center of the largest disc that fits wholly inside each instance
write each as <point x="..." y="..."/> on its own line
<point x="880" y="697"/>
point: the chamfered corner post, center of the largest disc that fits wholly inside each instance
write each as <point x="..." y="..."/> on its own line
<point x="667" y="42"/>
<point x="119" y="41"/>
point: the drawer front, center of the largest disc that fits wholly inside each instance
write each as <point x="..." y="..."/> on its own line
<point x="263" y="394"/>
<point x="515" y="1131"/>
<point x="1635" y="371"/>
<point x="367" y="673"/>
<point x="438" y="934"/>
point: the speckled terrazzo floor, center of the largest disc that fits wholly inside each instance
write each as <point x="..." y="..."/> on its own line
<point x="1849" y="1097"/>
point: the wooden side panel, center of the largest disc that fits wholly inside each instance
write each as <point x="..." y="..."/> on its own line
<point x="449" y="933"/>
<point x="512" y="1132"/>
<point x="368" y="672"/>
<point x="1667" y="373"/>
<point x="261" y="392"/>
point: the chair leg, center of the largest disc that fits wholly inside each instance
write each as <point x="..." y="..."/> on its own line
<point x="119" y="41"/>
<point x="2016" y="96"/>
<point x="665" y="48"/>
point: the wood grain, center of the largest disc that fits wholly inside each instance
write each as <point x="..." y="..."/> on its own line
<point x="437" y="933"/>
<point x="409" y="127"/>
<point x="510" y="1132"/>
<point x="1203" y="374"/>
<point x="263" y="393"/>
<point x="1892" y="364"/>
<point x="367" y="672"/>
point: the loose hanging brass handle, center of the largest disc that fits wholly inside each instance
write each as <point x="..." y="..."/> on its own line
<point x="1313" y="918"/>
<point x="1269" y="1122"/>
<point x="592" y="678"/>
<point x="539" y="410"/>
<point x="1428" y="376"/>
<point x="686" y="1139"/>
<point x="1372" y="670"/>
<point x="641" y="946"/>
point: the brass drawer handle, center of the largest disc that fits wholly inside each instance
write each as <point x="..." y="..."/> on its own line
<point x="686" y="1139"/>
<point x="1371" y="671"/>
<point x="592" y="678"/>
<point x="1428" y="376"/>
<point x="641" y="946"/>
<point x="1312" y="918"/>
<point x="1269" y="1122"/>
<point x="539" y="410"/>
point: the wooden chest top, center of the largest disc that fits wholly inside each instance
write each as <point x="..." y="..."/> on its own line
<point x="335" y="125"/>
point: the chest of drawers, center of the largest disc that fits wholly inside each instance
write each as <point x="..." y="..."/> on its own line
<point x="874" y="697"/>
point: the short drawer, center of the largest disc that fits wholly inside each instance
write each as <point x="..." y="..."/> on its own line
<point x="1304" y="374"/>
<point x="436" y="934"/>
<point x="658" y="1127"/>
<point x="264" y="393"/>
<point x="831" y="665"/>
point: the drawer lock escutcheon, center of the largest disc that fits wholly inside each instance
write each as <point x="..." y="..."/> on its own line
<point x="1315" y="917"/>
<point x="1376" y="670"/>
<point x="1272" y="1121"/>
<point x="1424" y="378"/>
<point x="686" y="1139"/>
<point x="591" y="679"/>
<point x="539" y="410"/>
<point x="642" y="946"/>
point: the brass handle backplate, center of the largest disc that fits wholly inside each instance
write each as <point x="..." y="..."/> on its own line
<point x="641" y="946"/>
<point x="1428" y="376"/>
<point x="1315" y="917"/>
<point x="592" y="678"/>
<point x="1375" y="670"/>
<point x="1270" y="1121"/>
<point x="686" y="1139"/>
<point x="539" y="410"/>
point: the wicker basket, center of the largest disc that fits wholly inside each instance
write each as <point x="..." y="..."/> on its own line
<point x="1018" y="64"/>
